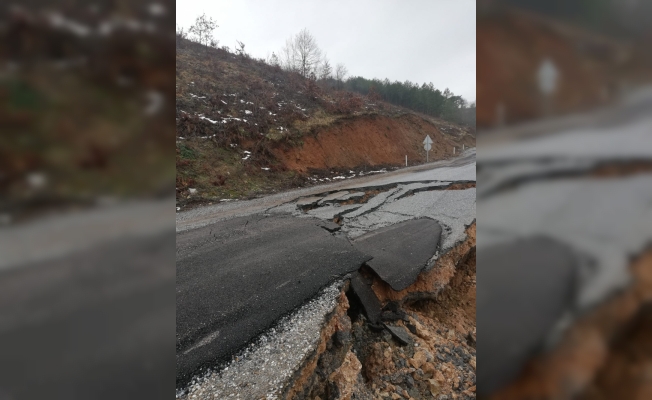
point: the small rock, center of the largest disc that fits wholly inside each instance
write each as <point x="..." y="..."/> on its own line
<point x="418" y="360"/>
<point x="409" y="381"/>
<point x="399" y="333"/>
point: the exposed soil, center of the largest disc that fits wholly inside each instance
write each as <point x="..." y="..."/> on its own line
<point x="245" y="129"/>
<point x="370" y="140"/>
<point x="605" y="353"/>
<point x="363" y="361"/>
<point x="611" y="170"/>
<point x="628" y="371"/>
<point x="431" y="282"/>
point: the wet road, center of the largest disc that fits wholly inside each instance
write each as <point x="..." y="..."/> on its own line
<point x="543" y="191"/>
<point x="237" y="275"/>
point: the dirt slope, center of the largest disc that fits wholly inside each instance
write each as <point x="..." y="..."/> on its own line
<point x="245" y="128"/>
<point x="369" y="140"/>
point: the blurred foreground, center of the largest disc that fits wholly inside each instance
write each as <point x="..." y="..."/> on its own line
<point x="86" y="206"/>
<point x="564" y="201"/>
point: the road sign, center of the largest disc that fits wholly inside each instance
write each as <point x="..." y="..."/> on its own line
<point x="547" y="75"/>
<point x="427" y="142"/>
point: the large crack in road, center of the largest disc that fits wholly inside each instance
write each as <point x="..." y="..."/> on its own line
<point x="563" y="216"/>
<point x="263" y="291"/>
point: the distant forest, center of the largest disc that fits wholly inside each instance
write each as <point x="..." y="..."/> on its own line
<point x="425" y="98"/>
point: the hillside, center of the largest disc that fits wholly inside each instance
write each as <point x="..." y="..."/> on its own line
<point x="245" y="128"/>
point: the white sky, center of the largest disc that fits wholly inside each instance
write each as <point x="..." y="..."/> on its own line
<point x="416" y="40"/>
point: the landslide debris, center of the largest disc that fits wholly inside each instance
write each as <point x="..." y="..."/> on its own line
<point x="419" y="349"/>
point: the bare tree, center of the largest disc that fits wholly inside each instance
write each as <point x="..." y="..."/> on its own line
<point x="301" y="53"/>
<point x="203" y="29"/>
<point x="326" y="71"/>
<point x="340" y="73"/>
<point x="273" y="60"/>
<point x="240" y="49"/>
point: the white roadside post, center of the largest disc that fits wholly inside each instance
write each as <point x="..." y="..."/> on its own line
<point x="427" y="144"/>
<point x="406" y="160"/>
<point x="453" y="150"/>
<point x="547" y="75"/>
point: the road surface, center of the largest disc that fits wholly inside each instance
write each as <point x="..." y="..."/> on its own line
<point x="542" y="191"/>
<point x="243" y="265"/>
<point x="87" y="304"/>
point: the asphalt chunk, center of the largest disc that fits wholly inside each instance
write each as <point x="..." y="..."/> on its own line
<point x="401" y="251"/>
<point x="524" y="288"/>
<point x="365" y="293"/>
<point x="399" y="333"/>
<point x="234" y="285"/>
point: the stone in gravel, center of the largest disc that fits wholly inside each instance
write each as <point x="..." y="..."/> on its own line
<point x="418" y="360"/>
<point x="399" y="333"/>
<point x="409" y="381"/>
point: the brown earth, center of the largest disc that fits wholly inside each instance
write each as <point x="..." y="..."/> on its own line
<point x="357" y="361"/>
<point x="370" y="140"/>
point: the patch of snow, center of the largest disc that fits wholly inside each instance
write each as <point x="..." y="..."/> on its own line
<point x="247" y="112"/>
<point x="156" y="9"/>
<point x="223" y="101"/>
<point x="207" y="119"/>
<point x="264" y="169"/>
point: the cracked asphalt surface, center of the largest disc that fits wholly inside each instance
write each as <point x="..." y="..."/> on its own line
<point x="243" y="265"/>
<point x="543" y="187"/>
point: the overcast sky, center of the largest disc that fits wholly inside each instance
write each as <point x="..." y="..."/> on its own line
<point x="421" y="41"/>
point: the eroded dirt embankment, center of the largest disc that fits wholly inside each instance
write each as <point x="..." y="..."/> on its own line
<point x="432" y="356"/>
<point x="372" y="140"/>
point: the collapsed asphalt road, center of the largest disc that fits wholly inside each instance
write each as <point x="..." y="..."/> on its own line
<point x="587" y="190"/>
<point x="237" y="277"/>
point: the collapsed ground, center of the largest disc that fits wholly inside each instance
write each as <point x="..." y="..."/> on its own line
<point x="598" y="348"/>
<point x="374" y="337"/>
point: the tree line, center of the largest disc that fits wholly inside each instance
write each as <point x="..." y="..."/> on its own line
<point x="423" y="98"/>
